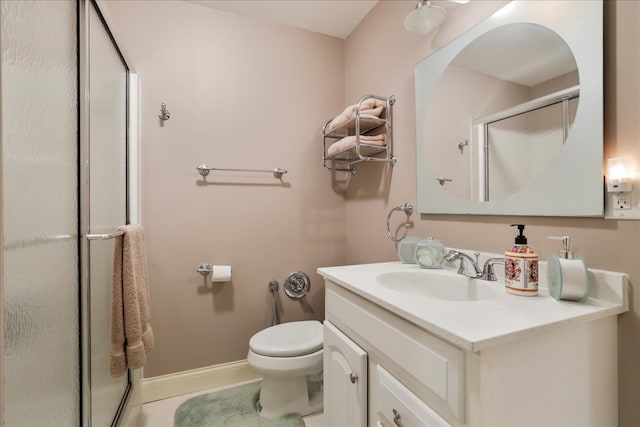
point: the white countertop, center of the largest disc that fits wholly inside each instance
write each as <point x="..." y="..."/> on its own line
<point x="478" y="325"/>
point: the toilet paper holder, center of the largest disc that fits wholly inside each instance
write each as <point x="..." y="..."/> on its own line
<point x="205" y="269"/>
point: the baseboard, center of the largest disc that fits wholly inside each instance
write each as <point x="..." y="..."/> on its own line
<point x="171" y="385"/>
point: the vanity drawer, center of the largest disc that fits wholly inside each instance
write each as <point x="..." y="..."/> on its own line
<point x="398" y="406"/>
<point x="426" y="359"/>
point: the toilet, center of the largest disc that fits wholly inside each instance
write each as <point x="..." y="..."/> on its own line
<point x="289" y="357"/>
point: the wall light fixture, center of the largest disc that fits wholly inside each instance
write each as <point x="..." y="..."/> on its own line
<point x="426" y="17"/>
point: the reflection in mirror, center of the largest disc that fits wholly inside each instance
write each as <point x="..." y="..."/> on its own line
<point x="503" y="111"/>
<point x="520" y="148"/>
<point x="512" y="113"/>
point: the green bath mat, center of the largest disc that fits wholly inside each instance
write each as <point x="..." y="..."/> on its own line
<point x="233" y="407"/>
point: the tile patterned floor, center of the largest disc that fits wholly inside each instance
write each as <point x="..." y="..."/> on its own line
<point x="160" y="413"/>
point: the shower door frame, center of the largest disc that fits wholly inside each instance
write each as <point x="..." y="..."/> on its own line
<point x="480" y="159"/>
<point x="84" y="10"/>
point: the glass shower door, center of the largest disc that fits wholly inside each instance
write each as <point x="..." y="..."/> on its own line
<point x="521" y="148"/>
<point x="39" y="128"/>
<point x="48" y="268"/>
<point x="104" y="206"/>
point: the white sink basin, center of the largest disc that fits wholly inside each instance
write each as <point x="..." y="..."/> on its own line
<point x="439" y="284"/>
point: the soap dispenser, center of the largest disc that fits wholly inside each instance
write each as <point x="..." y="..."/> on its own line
<point x="521" y="266"/>
<point x="567" y="275"/>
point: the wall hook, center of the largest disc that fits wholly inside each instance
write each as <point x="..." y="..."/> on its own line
<point x="443" y="179"/>
<point x="164" y="114"/>
<point x="462" y="144"/>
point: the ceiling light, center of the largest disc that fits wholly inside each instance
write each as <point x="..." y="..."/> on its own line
<point x="424" y="18"/>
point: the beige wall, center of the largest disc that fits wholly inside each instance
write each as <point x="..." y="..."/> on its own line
<point x="382" y="62"/>
<point x="242" y="94"/>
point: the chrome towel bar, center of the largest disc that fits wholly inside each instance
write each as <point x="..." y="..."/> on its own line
<point x="104" y="236"/>
<point x="277" y="172"/>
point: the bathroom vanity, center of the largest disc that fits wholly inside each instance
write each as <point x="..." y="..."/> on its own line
<point x="411" y="347"/>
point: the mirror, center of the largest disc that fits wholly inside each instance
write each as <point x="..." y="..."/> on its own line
<point x="514" y="116"/>
<point x="509" y="116"/>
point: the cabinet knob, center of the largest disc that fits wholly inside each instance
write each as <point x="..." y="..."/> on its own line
<point x="353" y="378"/>
<point x="396" y="419"/>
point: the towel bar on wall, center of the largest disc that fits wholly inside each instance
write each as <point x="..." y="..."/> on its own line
<point x="104" y="236"/>
<point x="277" y="172"/>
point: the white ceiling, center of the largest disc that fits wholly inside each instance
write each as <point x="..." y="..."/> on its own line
<point x="333" y="17"/>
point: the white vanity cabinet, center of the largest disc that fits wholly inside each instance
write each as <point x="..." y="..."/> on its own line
<point x="564" y="375"/>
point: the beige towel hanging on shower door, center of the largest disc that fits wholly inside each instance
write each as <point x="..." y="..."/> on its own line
<point x="131" y="334"/>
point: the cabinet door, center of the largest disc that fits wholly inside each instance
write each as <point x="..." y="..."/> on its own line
<point x="345" y="380"/>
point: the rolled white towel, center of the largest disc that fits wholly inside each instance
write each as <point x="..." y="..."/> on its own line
<point x="349" y="142"/>
<point x="370" y="107"/>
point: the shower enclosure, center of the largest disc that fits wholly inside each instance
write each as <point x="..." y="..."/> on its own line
<point x="510" y="149"/>
<point x="64" y="131"/>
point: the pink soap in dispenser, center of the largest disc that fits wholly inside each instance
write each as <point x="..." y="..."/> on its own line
<point x="521" y="267"/>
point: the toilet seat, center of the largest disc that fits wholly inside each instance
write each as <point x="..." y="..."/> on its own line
<point x="288" y="339"/>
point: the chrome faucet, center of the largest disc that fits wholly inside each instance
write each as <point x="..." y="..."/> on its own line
<point x="487" y="272"/>
<point x="455" y="255"/>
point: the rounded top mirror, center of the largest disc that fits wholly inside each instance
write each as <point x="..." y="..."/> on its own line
<point x="501" y="112"/>
<point x="509" y="115"/>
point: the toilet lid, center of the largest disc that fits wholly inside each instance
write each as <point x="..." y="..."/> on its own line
<point x="288" y="339"/>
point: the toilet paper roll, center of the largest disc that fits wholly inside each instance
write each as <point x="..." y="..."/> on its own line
<point x="568" y="279"/>
<point x="221" y="273"/>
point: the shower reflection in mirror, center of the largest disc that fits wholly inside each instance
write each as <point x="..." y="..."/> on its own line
<point x="511" y="148"/>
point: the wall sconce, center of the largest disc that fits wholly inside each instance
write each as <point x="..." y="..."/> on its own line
<point x="620" y="176"/>
<point x="426" y="17"/>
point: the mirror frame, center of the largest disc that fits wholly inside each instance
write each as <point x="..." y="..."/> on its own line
<point x="576" y="175"/>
